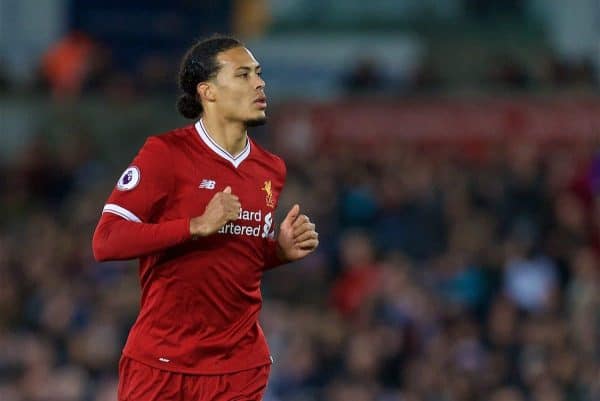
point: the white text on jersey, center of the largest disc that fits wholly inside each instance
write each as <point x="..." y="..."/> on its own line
<point x="242" y="226"/>
<point x="207" y="184"/>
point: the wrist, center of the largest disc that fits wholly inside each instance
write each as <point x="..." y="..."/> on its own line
<point x="197" y="227"/>
<point x="280" y="253"/>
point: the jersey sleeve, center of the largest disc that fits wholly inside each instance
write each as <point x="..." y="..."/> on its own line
<point x="142" y="190"/>
<point x="129" y="227"/>
<point x="272" y="258"/>
<point x="271" y="254"/>
<point x="116" y="238"/>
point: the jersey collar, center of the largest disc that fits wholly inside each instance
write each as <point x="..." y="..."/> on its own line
<point x="236" y="161"/>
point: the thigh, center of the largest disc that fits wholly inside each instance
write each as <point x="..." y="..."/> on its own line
<point x="140" y="382"/>
<point x="247" y="385"/>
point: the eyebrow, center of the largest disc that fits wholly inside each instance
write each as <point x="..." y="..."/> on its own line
<point x="257" y="67"/>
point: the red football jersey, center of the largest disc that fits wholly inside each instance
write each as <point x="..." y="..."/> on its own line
<point x="200" y="297"/>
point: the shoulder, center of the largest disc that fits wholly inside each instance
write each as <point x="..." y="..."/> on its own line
<point x="268" y="158"/>
<point x="175" y="136"/>
<point x="167" y="142"/>
<point x="161" y="149"/>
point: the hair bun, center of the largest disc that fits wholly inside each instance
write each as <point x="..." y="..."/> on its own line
<point x="188" y="106"/>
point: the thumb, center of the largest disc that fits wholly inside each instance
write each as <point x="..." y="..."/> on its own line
<point x="292" y="214"/>
<point x="227" y="189"/>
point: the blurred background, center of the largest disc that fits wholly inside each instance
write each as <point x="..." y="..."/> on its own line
<point x="448" y="151"/>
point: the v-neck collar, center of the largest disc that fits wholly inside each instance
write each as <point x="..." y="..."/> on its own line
<point x="214" y="146"/>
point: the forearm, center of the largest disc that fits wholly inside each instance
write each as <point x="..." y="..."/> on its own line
<point x="116" y="238"/>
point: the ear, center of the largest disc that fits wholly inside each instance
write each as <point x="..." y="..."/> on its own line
<point x="206" y="91"/>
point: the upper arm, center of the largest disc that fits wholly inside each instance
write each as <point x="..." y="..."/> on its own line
<point x="143" y="189"/>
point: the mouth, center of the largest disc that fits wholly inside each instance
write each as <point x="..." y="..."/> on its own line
<point x="261" y="102"/>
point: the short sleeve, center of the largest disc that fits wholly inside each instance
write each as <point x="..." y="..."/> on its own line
<point x="141" y="191"/>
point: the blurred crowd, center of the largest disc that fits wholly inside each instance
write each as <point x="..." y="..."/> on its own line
<point x="501" y="72"/>
<point x="78" y="64"/>
<point x="444" y="279"/>
<point x="440" y="277"/>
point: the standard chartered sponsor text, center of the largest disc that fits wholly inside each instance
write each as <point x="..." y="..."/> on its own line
<point x="243" y="225"/>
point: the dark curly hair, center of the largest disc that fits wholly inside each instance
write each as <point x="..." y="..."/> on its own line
<point x="199" y="64"/>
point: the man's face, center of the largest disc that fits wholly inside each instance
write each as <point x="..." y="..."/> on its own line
<point x="238" y="87"/>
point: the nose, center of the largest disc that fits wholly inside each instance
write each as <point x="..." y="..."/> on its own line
<point x="260" y="83"/>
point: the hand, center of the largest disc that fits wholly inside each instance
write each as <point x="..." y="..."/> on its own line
<point x="297" y="236"/>
<point x="222" y="208"/>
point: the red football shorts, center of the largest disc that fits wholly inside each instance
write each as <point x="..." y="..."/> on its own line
<point x="140" y="382"/>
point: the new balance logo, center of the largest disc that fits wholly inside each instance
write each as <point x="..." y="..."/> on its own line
<point x="207" y="184"/>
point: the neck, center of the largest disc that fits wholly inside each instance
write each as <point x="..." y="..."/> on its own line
<point x="231" y="136"/>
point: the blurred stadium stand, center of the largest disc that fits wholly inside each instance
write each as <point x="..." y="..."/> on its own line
<point x="449" y="153"/>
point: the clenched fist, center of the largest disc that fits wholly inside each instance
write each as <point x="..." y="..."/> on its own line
<point x="297" y="236"/>
<point x="222" y="208"/>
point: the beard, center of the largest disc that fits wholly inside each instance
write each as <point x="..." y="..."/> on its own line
<point x="255" y="122"/>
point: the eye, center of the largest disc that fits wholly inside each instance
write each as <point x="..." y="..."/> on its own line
<point x="243" y="75"/>
<point x="259" y="73"/>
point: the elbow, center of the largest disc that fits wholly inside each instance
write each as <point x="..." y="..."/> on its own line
<point x="99" y="251"/>
<point x="99" y="255"/>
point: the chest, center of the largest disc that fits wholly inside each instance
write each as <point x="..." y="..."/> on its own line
<point x="197" y="182"/>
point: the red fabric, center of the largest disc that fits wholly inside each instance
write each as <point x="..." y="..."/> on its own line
<point x="200" y="298"/>
<point x="140" y="382"/>
<point x="271" y="255"/>
<point x="116" y="238"/>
